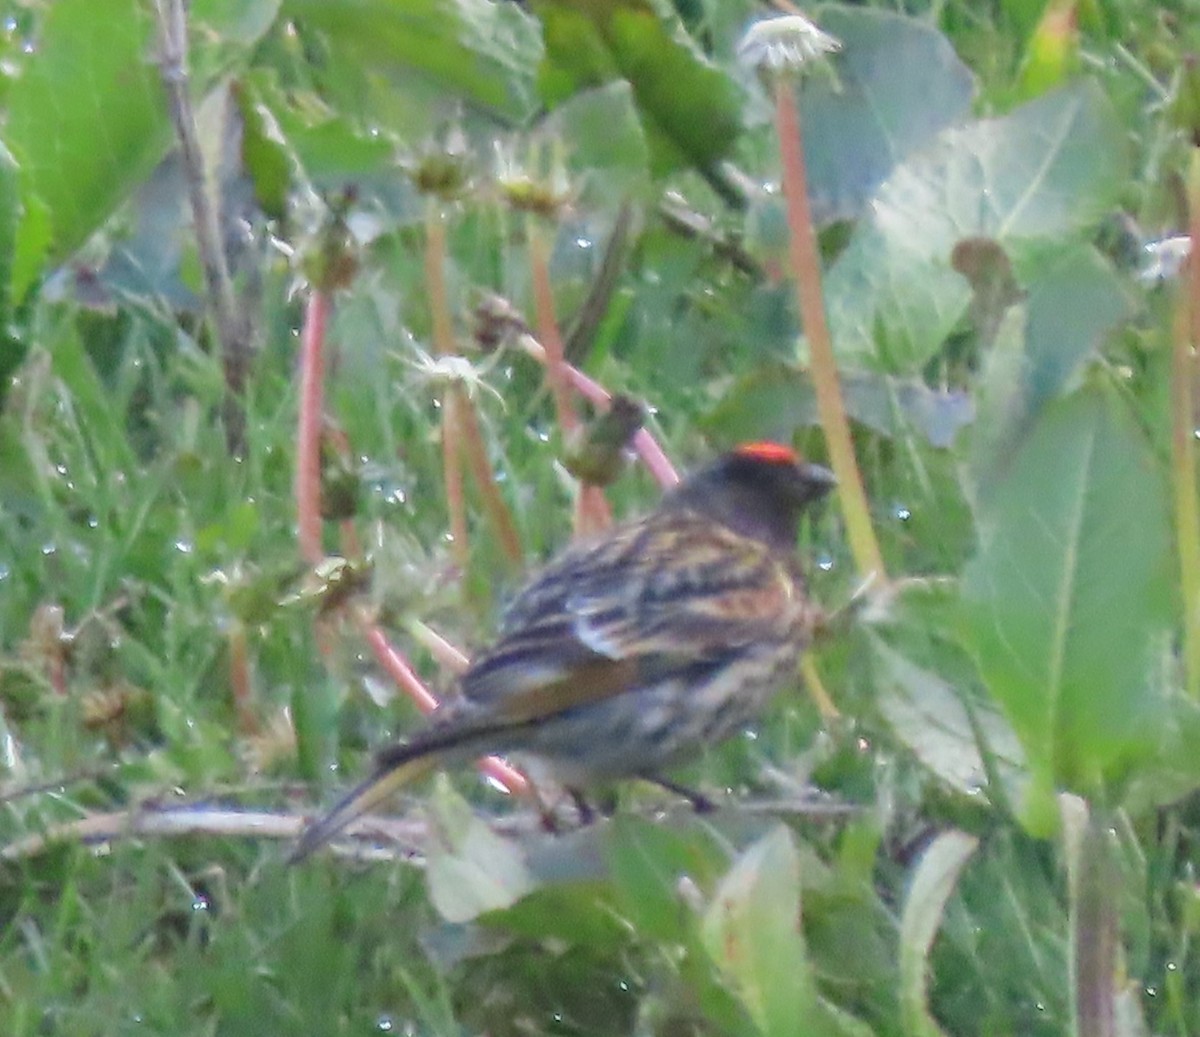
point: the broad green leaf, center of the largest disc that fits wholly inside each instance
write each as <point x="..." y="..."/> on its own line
<point x="482" y="52"/>
<point x="648" y="863"/>
<point x="897" y="84"/>
<point x="776" y="399"/>
<point x="930" y="718"/>
<point x="10" y="217"/>
<point x="1073" y="302"/>
<point x="470" y="869"/>
<point x="1067" y="596"/>
<point x="579" y="912"/>
<point x="690" y="109"/>
<point x="752" y="931"/>
<point x="87" y="118"/>
<point x="329" y="146"/>
<point x="932" y="885"/>
<point x="1045" y="172"/>
<point x="264" y="153"/>
<point x="606" y="148"/>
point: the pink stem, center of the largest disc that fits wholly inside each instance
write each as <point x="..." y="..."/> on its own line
<point x="644" y="443"/>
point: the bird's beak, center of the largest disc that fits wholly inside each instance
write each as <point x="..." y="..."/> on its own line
<point x="818" y="478"/>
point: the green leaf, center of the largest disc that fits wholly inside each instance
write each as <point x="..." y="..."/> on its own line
<point x="87" y="118"/>
<point x="483" y="52"/>
<point x="932" y="884"/>
<point x="898" y="84"/>
<point x="776" y="399"/>
<point x="329" y="146"/>
<point x="1047" y="171"/>
<point x="264" y="154"/>
<point x="648" y="863"/>
<point x="929" y="717"/>
<point x="10" y="218"/>
<point x="470" y="868"/>
<point x="752" y="931"/>
<point x="690" y="109"/>
<point x="606" y="148"/>
<point x="1075" y="301"/>
<point x="1068" y="595"/>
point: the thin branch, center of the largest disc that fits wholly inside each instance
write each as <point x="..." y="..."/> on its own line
<point x="231" y="329"/>
<point x="587" y="319"/>
<point x="682" y="220"/>
<point x="363" y="838"/>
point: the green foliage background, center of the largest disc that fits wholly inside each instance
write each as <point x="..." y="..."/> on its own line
<point x="985" y="188"/>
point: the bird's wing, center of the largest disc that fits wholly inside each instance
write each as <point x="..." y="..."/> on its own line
<point x="607" y="617"/>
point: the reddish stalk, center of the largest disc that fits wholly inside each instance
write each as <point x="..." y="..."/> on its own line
<point x="443" y="344"/>
<point x="592" y="512"/>
<point x="644" y="443"/>
<point x="308" y="432"/>
<point x="806" y="268"/>
<point x="394" y="663"/>
<point x="548" y="330"/>
<point x="493" y="500"/>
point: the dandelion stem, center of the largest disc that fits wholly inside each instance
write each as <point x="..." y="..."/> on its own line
<point x="806" y="268"/>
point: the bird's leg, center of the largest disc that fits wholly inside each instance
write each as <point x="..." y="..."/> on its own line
<point x="582" y="807"/>
<point x="700" y="802"/>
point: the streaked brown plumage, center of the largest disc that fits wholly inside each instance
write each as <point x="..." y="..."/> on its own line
<point x="627" y="654"/>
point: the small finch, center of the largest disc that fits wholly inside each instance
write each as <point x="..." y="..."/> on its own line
<point x="632" y="652"/>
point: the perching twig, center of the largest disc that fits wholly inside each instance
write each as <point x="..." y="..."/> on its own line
<point x="232" y="331"/>
<point x="406" y="835"/>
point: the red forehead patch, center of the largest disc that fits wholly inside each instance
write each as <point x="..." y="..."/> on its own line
<point x="773" y="453"/>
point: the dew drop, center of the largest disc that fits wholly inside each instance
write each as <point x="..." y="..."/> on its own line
<point x="384" y="1024"/>
<point x="201" y="903"/>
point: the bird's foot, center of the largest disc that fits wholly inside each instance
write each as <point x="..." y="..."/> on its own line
<point x="699" y="801"/>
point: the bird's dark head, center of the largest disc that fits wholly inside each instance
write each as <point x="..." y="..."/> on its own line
<point x="759" y="489"/>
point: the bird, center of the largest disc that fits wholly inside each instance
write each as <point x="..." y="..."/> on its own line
<point x="633" y="651"/>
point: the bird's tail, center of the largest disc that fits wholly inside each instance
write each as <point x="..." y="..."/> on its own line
<point x="390" y="774"/>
